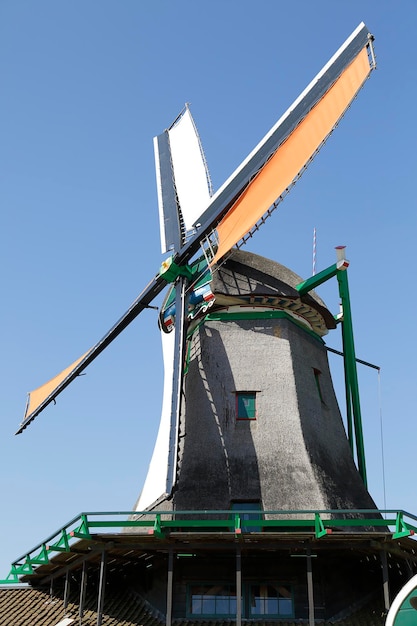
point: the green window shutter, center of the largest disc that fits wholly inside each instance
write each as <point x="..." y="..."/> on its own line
<point x="246" y="405"/>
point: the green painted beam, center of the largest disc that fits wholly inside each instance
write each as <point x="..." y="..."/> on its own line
<point x="219" y="316"/>
<point x="317" y="279"/>
<point x="353" y="410"/>
<point x="351" y="374"/>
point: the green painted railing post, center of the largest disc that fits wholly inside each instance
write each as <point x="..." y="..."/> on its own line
<point x="84" y="525"/>
<point x="319" y="526"/>
<point x="81" y="532"/>
<point x="157" y="527"/>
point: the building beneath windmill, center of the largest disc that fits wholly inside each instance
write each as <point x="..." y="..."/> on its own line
<point x="255" y="507"/>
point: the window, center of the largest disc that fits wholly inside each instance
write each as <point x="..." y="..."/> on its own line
<point x="245" y="405"/>
<point x="317" y="374"/>
<point x="272" y="600"/>
<point x="212" y="599"/>
<point x="266" y="599"/>
<point x="247" y="516"/>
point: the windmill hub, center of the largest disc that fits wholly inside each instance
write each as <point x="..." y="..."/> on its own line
<point x="248" y="282"/>
<point x="170" y="271"/>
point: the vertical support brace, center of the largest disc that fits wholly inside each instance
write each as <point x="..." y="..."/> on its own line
<point x="66" y="590"/>
<point x="310" y="590"/>
<point x="348" y="400"/>
<point x="238" y="587"/>
<point x="101" y="588"/>
<point x="352" y="387"/>
<point x="351" y="377"/>
<point x="170" y="581"/>
<point x="385" y="579"/>
<point x="83" y="590"/>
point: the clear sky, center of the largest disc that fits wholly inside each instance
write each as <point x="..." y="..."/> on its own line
<point x="85" y="85"/>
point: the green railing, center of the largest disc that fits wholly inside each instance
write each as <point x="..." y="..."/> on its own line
<point x="160" y="524"/>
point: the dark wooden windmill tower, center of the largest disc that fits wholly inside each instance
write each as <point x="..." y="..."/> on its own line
<point x="255" y="507"/>
<point x="260" y="425"/>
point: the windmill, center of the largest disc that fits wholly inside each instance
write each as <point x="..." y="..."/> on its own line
<point x="228" y="316"/>
<point x="200" y="228"/>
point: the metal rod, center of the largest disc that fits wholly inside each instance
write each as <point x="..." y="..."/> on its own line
<point x="170" y="581"/>
<point x="375" y="367"/>
<point x="101" y="588"/>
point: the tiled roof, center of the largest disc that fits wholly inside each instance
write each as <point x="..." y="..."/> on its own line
<point x="24" y="606"/>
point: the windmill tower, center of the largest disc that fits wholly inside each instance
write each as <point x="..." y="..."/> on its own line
<point x="252" y="470"/>
<point x="260" y="425"/>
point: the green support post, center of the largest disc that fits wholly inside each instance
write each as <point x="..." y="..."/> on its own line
<point x="351" y="374"/>
<point x="353" y="410"/>
<point x="349" y="416"/>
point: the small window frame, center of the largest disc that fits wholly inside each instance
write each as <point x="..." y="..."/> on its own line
<point x="215" y="599"/>
<point x="266" y="601"/>
<point x="252" y="598"/>
<point x="317" y="376"/>
<point x="251" y="520"/>
<point x="246" y="408"/>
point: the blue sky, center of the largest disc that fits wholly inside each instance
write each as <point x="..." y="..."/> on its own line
<point x="85" y="87"/>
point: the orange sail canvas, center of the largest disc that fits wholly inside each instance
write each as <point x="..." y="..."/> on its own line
<point x="284" y="167"/>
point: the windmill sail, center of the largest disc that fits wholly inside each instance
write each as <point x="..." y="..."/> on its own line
<point x="285" y="166"/>
<point x="39" y="399"/>
<point x="183" y="181"/>
<point x="157" y="483"/>
<point x="184" y="191"/>
<point x="263" y="177"/>
<point x="283" y="154"/>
